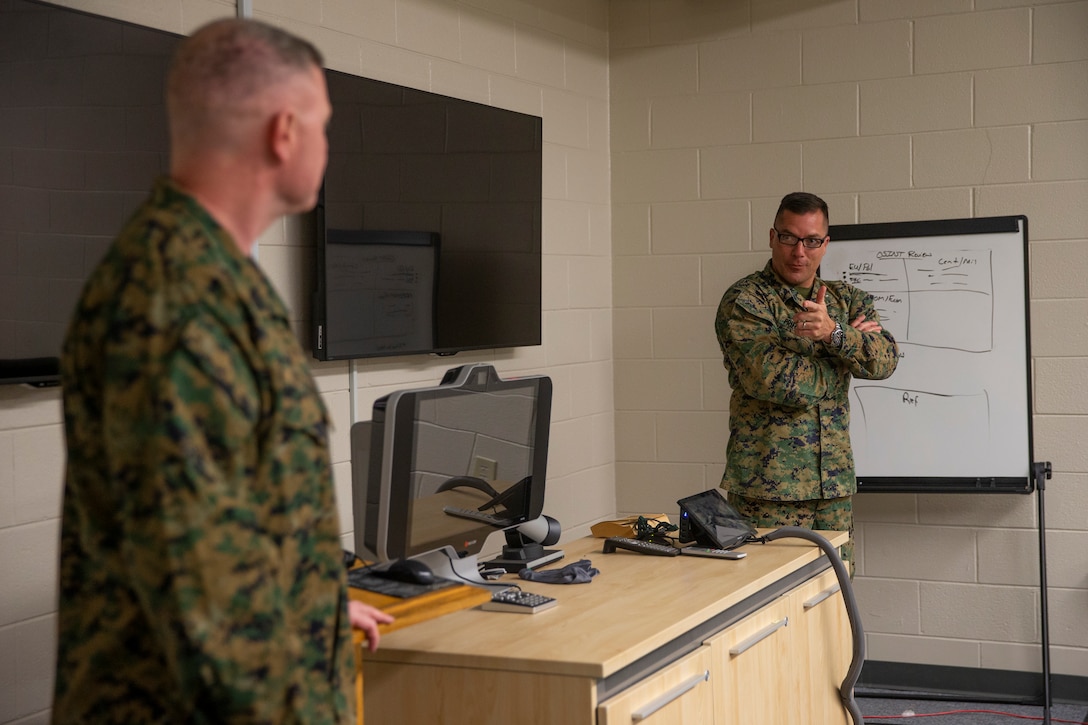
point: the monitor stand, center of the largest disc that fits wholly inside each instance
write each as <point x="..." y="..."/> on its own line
<point x="445" y="563"/>
<point x="528" y="556"/>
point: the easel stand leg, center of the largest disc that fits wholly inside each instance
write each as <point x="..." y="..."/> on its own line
<point x="1042" y="473"/>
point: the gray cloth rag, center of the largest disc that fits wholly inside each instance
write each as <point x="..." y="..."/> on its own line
<point x="580" y="572"/>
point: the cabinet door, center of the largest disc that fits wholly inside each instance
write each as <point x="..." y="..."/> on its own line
<point x="753" y="669"/>
<point x="822" y="639"/>
<point x="401" y="693"/>
<point x="679" y="694"/>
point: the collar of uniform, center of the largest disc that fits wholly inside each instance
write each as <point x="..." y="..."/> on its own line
<point x="166" y="192"/>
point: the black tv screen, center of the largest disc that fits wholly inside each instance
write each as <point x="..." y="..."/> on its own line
<point x="407" y="164"/>
<point x="82" y="136"/>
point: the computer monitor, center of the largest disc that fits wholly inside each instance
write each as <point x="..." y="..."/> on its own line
<point x="442" y="467"/>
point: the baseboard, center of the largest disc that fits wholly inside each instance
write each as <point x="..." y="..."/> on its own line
<point x="939" y="682"/>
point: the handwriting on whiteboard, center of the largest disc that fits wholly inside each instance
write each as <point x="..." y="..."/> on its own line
<point x="916" y="291"/>
<point x="915" y="410"/>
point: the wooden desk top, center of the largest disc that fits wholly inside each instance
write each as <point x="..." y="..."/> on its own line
<point x="636" y="604"/>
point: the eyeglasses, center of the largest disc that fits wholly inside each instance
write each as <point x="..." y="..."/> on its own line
<point x="790" y="240"/>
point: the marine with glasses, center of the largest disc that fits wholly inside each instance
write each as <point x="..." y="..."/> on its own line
<point x="791" y="343"/>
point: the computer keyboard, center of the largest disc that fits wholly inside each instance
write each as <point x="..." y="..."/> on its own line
<point x="638" y="545"/>
<point x="519" y="601"/>
<point x="475" y="515"/>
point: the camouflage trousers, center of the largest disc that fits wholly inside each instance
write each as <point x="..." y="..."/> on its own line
<point x="827" y="514"/>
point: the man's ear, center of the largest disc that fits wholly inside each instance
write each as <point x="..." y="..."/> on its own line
<point x="281" y="135"/>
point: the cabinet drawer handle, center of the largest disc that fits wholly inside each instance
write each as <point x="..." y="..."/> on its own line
<point x="654" y="705"/>
<point x="758" y="637"/>
<point x="822" y="596"/>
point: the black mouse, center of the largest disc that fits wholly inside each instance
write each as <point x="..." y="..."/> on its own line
<point x="411" y="571"/>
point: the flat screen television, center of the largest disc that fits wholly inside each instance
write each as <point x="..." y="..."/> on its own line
<point x="410" y="165"/>
<point x="82" y="136"/>
<point x="446" y="466"/>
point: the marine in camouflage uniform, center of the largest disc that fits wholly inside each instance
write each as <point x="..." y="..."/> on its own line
<point x="201" y="567"/>
<point x="789" y="460"/>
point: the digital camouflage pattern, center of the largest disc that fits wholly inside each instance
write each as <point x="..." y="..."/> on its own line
<point x="789" y="415"/>
<point x="201" y="570"/>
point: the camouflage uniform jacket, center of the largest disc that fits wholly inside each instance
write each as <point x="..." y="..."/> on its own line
<point x="789" y="415"/>
<point x="202" y="577"/>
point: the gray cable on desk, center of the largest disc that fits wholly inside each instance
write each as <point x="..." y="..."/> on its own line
<point x="846" y="690"/>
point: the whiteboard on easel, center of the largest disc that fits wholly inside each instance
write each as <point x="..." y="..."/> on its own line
<point x="956" y="414"/>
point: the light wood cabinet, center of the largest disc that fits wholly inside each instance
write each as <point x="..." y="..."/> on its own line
<point x="752" y="668"/>
<point x="680" y="693"/>
<point x="658" y="640"/>
<point x="426" y="695"/>
<point x="785" y="663"/>
<point x="822" y="648"/>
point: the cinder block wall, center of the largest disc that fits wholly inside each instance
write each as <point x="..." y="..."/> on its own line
<point x="707" y="113"/>
<point x="891" y="111"/>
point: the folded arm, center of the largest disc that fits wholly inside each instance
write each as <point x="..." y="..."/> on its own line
<point x="771" y="364"/>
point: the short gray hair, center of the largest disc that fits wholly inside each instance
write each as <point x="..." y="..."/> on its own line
<point x="223" y="66"/>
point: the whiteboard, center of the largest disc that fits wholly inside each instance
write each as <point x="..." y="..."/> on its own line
<point x="955" y="416"/>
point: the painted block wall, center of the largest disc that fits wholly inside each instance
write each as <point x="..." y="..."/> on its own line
<point x="641" y="237"/>
<point x="891" y="111"/>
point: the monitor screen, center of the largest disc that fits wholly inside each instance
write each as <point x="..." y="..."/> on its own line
<point x="405" y="161"/>
<point x="448" y="465"/>
<point x="84" y="135"/>
<point x="381" y="289"/>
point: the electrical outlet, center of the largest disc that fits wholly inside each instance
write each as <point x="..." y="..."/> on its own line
<point x="485" y="468"/>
